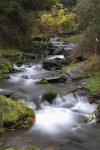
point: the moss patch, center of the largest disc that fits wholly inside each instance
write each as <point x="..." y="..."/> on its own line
<point x="43" y="81"/>
<point x="28" y="148"/>
<point x="49" y="95"/>
<point x="14" y="114"/>
<point x="92" y="67"/>
<point x="93" y="83"/>
<point x="5" y="68"/>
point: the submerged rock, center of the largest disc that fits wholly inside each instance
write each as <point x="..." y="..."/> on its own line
<point x="24" y="76"/>
<point x="49" y="96"/>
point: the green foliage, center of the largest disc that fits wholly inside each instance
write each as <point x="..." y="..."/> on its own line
<point x="92" y="67"/>
<point x="12" y="55"/>
<point x="5" y="67"/>
<point x="60" y="20"/>
<point x="15" y="24"/>
<point x="49" y="95"/>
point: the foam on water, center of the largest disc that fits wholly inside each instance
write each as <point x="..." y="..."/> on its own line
<point x="29" y="73"/>
<point x="54" y="119"/>
<point x="56" y="56"/>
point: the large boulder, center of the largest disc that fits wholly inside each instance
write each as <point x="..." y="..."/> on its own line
<point x="55" y="64"/>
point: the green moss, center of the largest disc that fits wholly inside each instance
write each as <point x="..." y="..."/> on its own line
<point x="92" y="67"/>
<point x="14" y="114"/>
<point x="93" y="83"/>
<point x="32" y="148"/>
<point x="43" y="81"/>
<point x="27" y="148"/>
<point x="2" y="130"/>
<point x="5" y="67"/>
<point x="11" y="149"/>
<point x="49" y="95"/>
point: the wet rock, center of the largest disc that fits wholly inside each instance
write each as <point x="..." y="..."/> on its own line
<point x="14" y="96"/>
<point x="55" y="64"/>
<point x="19" y="64"/>
<point x="7" y="94"/>
<point x="77" y="74"/>
<point x="29" y="56"/>
<point x="70" y="32"/>
<point x="80" y="58"/>
<point x="83" y="92"/>
<point x="58" y="51"/>
<point x="14" y="70"/>
<point x="6" y="76"/>
<point x="60" y="79"/>
<point x="49" y="65"/>
<point x="24" y="77"/>
<point x="49" y="96"/>
<point x="40" y="38"/>
<point x="94" y="98"/>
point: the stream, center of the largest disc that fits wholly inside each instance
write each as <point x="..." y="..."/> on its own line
<point x="61" y="125"/>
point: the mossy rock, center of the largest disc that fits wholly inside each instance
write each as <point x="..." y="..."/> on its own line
<point x="49" y="96"/>
<point x="43" y="81"/>
<point x="14" y="114"/>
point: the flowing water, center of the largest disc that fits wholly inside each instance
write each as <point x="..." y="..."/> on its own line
<point x="61" y="125"/>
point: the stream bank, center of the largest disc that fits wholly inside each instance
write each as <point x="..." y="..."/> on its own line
<point x="61" y="125"/>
